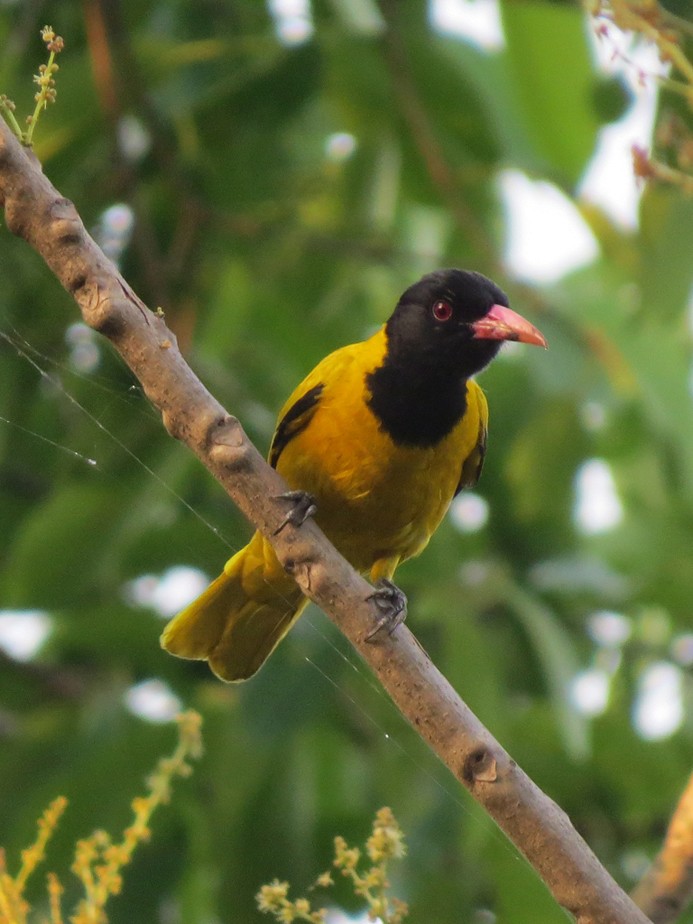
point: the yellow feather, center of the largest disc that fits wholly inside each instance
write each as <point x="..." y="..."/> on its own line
<point x="241" y="617"/>
<point x="378" y="502"/>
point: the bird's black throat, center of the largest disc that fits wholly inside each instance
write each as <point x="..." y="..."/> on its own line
<point x="415" y="406"/>
<point x="419" y="392"/>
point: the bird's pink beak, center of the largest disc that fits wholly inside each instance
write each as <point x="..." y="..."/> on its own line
<point x="501" y="323"/>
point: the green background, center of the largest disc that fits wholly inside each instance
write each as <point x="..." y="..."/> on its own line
<point x="266" y="254"/>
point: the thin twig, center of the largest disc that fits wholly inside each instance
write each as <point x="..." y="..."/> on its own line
<point x="423" y="134"/>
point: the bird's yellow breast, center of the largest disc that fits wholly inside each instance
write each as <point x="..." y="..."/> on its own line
<point x="376" y="499"/>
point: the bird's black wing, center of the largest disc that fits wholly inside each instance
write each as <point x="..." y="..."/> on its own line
<point x="295" y="419"/>
<point x="474" y="463"/>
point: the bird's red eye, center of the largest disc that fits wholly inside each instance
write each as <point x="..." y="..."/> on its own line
<point x="442" y="311"/>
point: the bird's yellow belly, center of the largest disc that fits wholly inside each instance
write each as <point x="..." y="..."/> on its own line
<point x="375" y="500"/>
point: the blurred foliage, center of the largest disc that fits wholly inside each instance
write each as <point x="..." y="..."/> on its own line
<point x="99" y="861"/>
<point x="269" y="241"/>
<point x="370" y="883"/>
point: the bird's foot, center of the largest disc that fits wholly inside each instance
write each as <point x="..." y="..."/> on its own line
<point x="391" y="605"/>
<point x="302" y="507"/>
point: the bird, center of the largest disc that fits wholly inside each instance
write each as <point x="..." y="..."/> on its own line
<point x="374" y="443"/>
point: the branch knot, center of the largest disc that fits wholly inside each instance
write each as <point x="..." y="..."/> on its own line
<point x="481" y="766"/>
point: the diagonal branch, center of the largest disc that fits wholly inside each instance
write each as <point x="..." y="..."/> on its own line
<point x="667" y="887"/>
<point x="421" y="130"/>
<point x="35" y="211"/>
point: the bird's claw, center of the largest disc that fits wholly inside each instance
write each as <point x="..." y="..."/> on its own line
<point x="391" y="605"/>
<point x="302" y="507"/>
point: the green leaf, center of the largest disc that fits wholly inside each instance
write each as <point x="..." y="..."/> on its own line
<point x="550" y="67"/>
<point x="58" y="555"/>
<point x="666" y="268"/>
<point x="556" y="653"/>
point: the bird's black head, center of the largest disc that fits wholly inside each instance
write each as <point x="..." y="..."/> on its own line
<point x="445" y="328"/>
<point x="454" y="321"/>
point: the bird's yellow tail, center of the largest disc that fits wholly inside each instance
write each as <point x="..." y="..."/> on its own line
<point x="242" y="616"/>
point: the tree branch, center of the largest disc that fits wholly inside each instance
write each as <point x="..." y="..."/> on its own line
<point x="35" y="211"/>
<point x="421" y="131"/>
<point x="667" y="886"/>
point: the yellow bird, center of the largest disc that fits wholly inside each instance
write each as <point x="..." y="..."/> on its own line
<point x="382" y="435"/>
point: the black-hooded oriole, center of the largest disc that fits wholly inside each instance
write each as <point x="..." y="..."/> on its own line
<point x="382" y="434"/>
